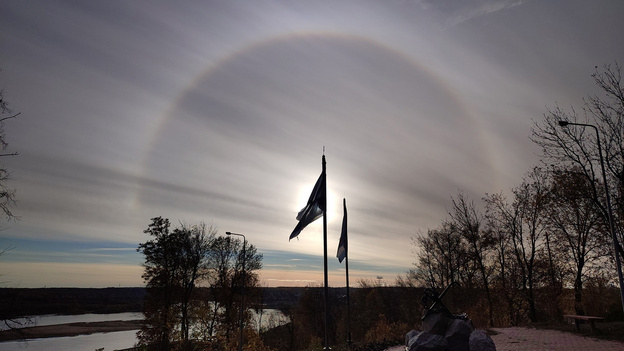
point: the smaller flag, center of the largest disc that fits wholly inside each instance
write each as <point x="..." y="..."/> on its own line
<point x="344" y="243"/>
<point x="314" y="209"/>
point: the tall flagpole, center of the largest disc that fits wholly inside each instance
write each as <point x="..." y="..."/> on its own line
<point x="348" y="303"/>
<point x="326" y="290"/>
<point x="344" y="201"/>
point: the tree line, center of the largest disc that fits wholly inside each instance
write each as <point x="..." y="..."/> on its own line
<point x="551" y="234"/>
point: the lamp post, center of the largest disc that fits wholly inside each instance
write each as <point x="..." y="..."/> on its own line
<point x="616" y="245"/>
<point x="240" y="311"/>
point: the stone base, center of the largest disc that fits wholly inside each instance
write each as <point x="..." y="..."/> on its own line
<point x="442" y="333"/>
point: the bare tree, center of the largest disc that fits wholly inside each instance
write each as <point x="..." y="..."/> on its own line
<point x="7" y="194"/>
<point x="524" y="221"/>
<point x="7" y="197"/>
<point x="441" y="258"/>
<point x="480" y="242"/>
<point x="499" y="215"/>
<point x="576" y="223"/>
<point x="577" y="147"/>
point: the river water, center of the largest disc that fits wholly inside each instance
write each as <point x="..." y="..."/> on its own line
<point x="108" y="341"/>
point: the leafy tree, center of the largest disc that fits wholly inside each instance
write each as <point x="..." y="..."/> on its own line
<point x="225" y="279"/>
<point x="175" y="262"/>
<point x="161" y="261"/>
<point x="195" y="246"/>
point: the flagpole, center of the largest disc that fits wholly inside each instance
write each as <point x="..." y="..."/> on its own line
<point x="344" y="201"/>
<point x="326" y="290"/>
<point x="348" y="304"/>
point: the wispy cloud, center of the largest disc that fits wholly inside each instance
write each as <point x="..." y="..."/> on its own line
<point x="198" y="112"/>
<point x="132" y="249"/>
<point x="458" y="11"/>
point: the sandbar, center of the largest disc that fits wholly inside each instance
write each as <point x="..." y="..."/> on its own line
<point x="70" y="329"/>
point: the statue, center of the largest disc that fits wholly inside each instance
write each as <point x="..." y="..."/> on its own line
<point x="438" y="306"/>
<point x="443" y="330"/>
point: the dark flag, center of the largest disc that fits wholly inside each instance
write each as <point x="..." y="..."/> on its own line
<point x="314" y="209"/>
<point x="343" y="245"/>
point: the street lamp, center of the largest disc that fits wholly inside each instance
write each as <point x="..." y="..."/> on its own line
<point x="616" y="245"/>
<point x="240" y="312"/>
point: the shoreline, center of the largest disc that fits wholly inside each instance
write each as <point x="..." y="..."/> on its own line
<point x="69" y="329"/>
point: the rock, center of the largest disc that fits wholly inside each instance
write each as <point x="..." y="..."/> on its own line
<point x="458" y="335"/>
<point x="436" y="323"/>
<point x="425" y="341"/>
<point x="412" y="333"/>
<point x="480" y="341"/>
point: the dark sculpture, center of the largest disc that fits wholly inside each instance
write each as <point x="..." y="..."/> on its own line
<point x="442" y="330"/>
<point x="430" y="295"/>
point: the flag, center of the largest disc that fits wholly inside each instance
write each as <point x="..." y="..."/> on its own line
<point x="344" y="243"/>
<point x="314" y="209"/>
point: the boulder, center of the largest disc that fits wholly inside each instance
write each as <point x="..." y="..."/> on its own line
<point x="458" y="335"/>
<point x="436" y="323"/>
<point x="412" y="333"/>
<point x="425" y="341"/>
<point x="480" y="341"/>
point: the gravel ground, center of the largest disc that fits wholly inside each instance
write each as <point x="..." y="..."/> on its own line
<point x="528" y="339"/>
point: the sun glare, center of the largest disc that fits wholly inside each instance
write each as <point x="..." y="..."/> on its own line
<point x="333" y="202"/>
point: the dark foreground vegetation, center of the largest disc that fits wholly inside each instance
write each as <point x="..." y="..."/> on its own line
<point x="380" y="316"/>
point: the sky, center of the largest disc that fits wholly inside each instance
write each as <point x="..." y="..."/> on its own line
<point x="220" y="112"/>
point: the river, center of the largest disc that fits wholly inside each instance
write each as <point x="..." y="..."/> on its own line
<point x="108" y="341"/>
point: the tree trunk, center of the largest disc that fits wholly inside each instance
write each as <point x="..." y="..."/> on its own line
<point x="578" y="294"/>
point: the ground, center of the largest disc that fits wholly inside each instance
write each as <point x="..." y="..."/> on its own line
<point x="530" y="339"/>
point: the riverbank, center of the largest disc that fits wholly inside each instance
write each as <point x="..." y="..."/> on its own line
<point x="69" y="329"/>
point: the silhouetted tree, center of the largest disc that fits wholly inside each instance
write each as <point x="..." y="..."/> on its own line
<point x="7" y="194"/>
<point x="577" y="146"/>
<point x="175" y="262"/>
<point x="480" y="243"/>
<point x="195" y="246"/>
<point x="161" y="263"/>
<point x="225" y="279"/>
<point x="7" y="199"/>
<point x="525" y="223"/>
<point x="441" y="258"/>
<point x="576" y="223"/>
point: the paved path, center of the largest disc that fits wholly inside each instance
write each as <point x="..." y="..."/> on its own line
<point x="528" y="339"/>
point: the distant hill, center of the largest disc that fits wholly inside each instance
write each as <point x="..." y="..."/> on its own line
<point x="28" y="302"/>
